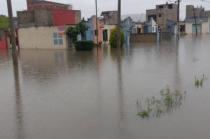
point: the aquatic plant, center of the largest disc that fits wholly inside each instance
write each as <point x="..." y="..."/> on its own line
<point x="143" y="114"/>
<point x="199" y="82"/>
<point x="168" y="102"/>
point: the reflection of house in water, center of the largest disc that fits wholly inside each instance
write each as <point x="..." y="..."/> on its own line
<point x="42" y="64"/>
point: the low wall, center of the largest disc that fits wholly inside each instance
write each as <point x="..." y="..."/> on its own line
<point x="146" y="37"/>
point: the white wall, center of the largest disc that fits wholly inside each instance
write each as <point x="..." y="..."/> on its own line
<point x="188" y="28"/>
<point x="205" y="27"/>
<point x="40" y="38"/>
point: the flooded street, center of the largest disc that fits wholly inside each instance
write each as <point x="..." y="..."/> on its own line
<point x="97" y="95"/>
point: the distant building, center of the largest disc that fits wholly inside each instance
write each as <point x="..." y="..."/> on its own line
<point x="196" y="12"/>
<point x="202" y="26"/>
<point x="138" y="28"/>
<point x="43" y="17"/>
<point x="45" y="13"/>
<point x="197" y="20"/>
<point x="150" y="26"/>
<point x="48" y="5"/>
<point x="110" y="20"/>
<point x="91" y="32"/>
<point x="110" y="17"/>
<point x="162" y="13"/>
<point x="127" y="26"/>
<point x="46" y="23"/>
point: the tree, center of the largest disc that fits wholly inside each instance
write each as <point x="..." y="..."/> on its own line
<point x="114" y="40"/>
<point x="79" y="29"/>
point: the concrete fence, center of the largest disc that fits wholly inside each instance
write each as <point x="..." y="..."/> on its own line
<point x="146" y="37"/>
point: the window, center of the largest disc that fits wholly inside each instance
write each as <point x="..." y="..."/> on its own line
<point x="161" y="7"/>
<point x="170" y="6"/>
<point x="58" y="40"/>
<point x="160" y="15"/>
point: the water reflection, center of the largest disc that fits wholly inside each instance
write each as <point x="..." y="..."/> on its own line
<point x="18" y="98"/>
<point x="93" y="95"/>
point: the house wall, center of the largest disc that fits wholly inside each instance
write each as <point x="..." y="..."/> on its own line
<point x="36" y="4"/>
<point x="110" y="17"/>
<point x="109" y="28"/>
<point x="205" y="27"/>
<point x="3" y="42"/>
<point x="162" y="13"/>
<point x="66" y="17"/>
<point x="40" y="38"/>
<point x="146" y="37"/>
<point x="188" y="28"/>
<point x="204" y="30"/>
<point x="25" y="18"/>
<point x="43" y="17"/>
<point x="90" y="33"/>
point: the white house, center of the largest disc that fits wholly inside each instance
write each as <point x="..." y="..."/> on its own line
<point x="202" y="26"/>
<point x="42" y="38"/>
<point x="150" y="26"/>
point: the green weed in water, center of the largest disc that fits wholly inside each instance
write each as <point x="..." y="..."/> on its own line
<point x="168" y="101"/>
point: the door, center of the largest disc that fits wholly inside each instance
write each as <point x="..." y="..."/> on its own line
<point x="198" y="26"/>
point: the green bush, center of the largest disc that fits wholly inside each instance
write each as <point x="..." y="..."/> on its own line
<point x="113" y="38"/>
<point x="84" y="45"/>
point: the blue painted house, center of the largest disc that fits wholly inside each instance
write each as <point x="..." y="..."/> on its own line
<point x="90" y="33"/>
<point x="127" y="26"/>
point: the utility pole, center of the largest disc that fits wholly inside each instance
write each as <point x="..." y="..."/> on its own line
<point x="196" y="29"/>
<point x="12" y="39"/>
<point x="119" y="25"/>
<point x="178" y="17"/>
<point x="12" y="30"/>
<point x="96" y="3"/>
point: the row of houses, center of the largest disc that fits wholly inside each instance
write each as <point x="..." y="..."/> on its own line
<point x="44" y="23"/>
<point x="165" y="16"/>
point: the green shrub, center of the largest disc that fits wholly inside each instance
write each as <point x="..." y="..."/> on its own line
<point x="84" y="45"/>
<point x="113" y="38"/>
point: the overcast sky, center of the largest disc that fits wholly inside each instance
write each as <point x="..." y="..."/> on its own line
<point x="88" y="6"/>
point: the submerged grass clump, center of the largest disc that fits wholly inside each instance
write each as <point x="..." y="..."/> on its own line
<point x="143" y="114"/>
<point x="199" y="82"/>
<point x="155" y="107"/>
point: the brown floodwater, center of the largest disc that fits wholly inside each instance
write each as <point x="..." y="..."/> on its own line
<point x="56" y="94"/>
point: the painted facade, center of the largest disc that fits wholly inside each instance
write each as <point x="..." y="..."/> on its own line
<point x="138" y="28"/>
<point x="42" y="38"/>
<point x="107" y="32"/>
<point x="150" y="26"/>
<point x="127" y="27"/>
<point x="91" y="32"/>
<point x="3" y="40"/>
<point x="4" y="25"/>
